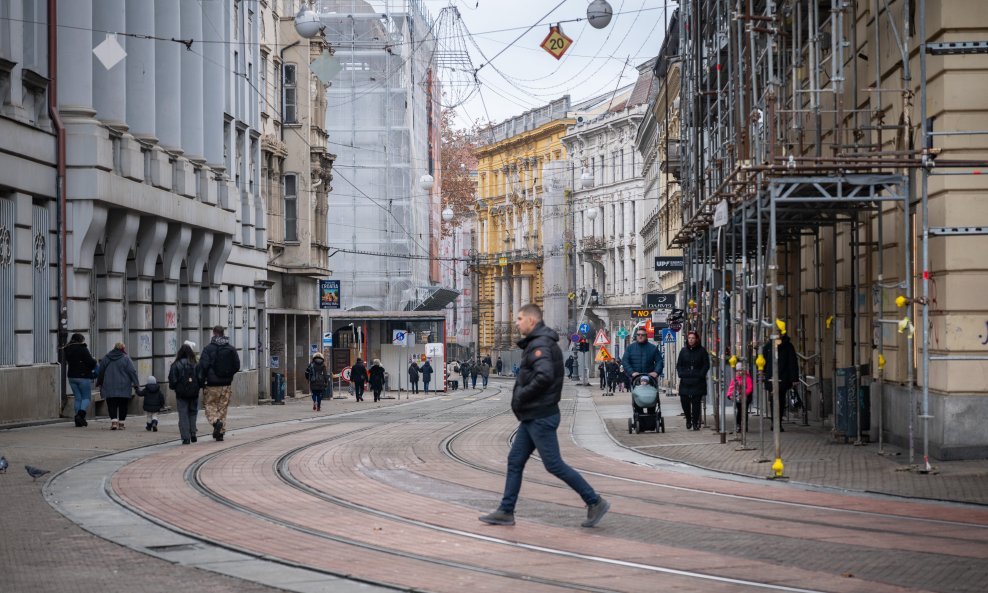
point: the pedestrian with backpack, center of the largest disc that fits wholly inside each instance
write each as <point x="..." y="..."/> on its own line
<point x="183" y="380"/>
<point x="217" y="366"/>
<point x="376" y="379"/>
<point x="413" y="376"/>
<point x="320" y="379"/>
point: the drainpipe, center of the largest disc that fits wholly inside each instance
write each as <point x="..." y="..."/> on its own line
<point x="60" y="216"/>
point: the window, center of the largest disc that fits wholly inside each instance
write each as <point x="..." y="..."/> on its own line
<point x="289" y="116"/>
<point x="290" y="185"/>
<point x="264" y="81"/>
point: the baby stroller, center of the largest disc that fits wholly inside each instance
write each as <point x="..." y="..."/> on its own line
<point x="646" y="408"/>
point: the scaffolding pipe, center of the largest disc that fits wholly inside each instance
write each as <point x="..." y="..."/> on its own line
<point x="925" y="221"/>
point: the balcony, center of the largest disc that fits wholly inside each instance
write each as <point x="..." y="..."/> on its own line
<point x="593" y="244"/>
<point x="671" y="163"/>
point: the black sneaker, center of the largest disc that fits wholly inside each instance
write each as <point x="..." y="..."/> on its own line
<point x="219" y="438"/>
<point x="154" y="426"/>
<point x="194" y="439"/>
<point x="148" y="427"/>
<point x="218" y="430"/>
<point x="596" y="512"/>
<point x="498" y="517"/>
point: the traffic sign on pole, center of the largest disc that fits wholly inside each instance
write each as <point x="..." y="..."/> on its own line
<point x="603" y="355"/>
<point x="601" y="339"/>
<point x="584" y="328"/>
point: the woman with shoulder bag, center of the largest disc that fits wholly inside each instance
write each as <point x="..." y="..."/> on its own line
<point x="81" y="370"/>
<point x="183" y="381"/>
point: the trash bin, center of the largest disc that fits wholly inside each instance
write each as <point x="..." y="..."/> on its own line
<point x="278" y="388"/>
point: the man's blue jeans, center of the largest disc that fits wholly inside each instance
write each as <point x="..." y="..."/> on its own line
<point x="540" y="434"/>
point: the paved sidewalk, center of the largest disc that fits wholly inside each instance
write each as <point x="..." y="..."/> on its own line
<point x="810" y="455"/>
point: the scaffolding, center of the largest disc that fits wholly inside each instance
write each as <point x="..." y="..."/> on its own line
<point x="800" y="203"/>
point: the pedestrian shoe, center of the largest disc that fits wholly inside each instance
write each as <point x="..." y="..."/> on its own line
<point x="596" y="512"/>
<point x="219" y="438"/>
<point x="148" y="427"/>
<point x="193" y="439"/>
<point x="114" y="425"/>
<point x="498" y="517"/>
<point x="218" y="430"/>
<point x="689" y="426"/>
<point x="185" y="441"/>
<point x="82" y="418"/>
<point x="121" y="425"/>
<point x="154" y="426"/>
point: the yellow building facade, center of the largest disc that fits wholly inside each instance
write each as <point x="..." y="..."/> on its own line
<point x="509" y="217"/>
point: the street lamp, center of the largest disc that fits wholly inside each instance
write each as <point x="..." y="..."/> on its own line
<point x="592" y="213"/>
<point x="307" y="23"/>
<point x="427" y="182"/>
<point x="448" y="213"/>
<point x="599" y="14"/>
<point x="586" y="179"/>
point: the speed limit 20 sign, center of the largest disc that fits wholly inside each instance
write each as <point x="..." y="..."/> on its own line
<point x="556" y="42"/>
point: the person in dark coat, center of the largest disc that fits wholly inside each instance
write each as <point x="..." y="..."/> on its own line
<point x="413" y="376"/>
<point x="499" y="366"/>
<point x="358" y="376"/>
<point x="118" y="381"/>
<point x="154" y="400"/>
<point x="465" y="373"/>
<point x="788" y="371"/>
<point x="183" y="380"/>
<point x="426" y="375"/>
<point x="642" y="357"/>
<point x="535" y="403"/>
<point x="218" y="365"/>
<point x="474" y="371"/>
<point x="602" y="374"/>
<point x="692" y="367"/>
<point x="80" y="368"/>
<point x="376" y="375"/>
<point x="320" y="380"/>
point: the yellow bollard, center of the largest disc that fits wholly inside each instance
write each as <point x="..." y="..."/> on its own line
<point x="777" y="467"/>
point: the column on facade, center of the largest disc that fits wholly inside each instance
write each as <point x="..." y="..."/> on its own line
<point x="121" y="232"/>
<point x="191" y="73"/>
<point x="141" y="298"/>
<point x="168" y="74"/>
<point x="175" y="306"/>
<point x="109" y="97"/>
<point x="213" y="78"/>
<point x="196" y="299"/>
<point x="75" y="57"/>
<point x="497" y="300"/>
<point x="140" y="71"/>
<point x="506" y="319"/>
<point x="515" y="294"/>
<point x="630" y="229"/>
<point x="88" y="229"/>
<point x="526" y="290"/>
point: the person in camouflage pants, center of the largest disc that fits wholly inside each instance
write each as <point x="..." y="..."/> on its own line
<point x="217" y="366"/>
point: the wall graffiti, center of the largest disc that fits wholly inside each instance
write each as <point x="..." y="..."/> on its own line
<point x="171" y="318"/>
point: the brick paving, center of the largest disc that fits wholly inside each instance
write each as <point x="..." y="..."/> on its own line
<point x="394" y="464"/>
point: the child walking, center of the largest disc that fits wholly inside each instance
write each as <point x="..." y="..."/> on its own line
<point x="154" y="400"/>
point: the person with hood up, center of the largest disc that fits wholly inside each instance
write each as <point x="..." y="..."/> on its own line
<point x="692" y="366"/>
<point x="465" y="372"/>
<point x="118" y="381"/>
<point x="217" y="366"/>
<point x="320" y="380"/>
<point x="183" y="380"/>
<point x="413" y="376"/>
<point x="81" y="365"/>
<point x="499" y="366"/>
<point x="154" y="400"/>
<point x="376" y="376"/>
<point x="358" y="376"/>
<point x="426" y="375"/>
<point x="535" y="403"/>
<point x="740" y="391"/>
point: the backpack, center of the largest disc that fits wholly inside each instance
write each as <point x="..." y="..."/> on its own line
<point x="186" y="384"/>
<point x="317" y="378"/>
<point x="227" y="363"/>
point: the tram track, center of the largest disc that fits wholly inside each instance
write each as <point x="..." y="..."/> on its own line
<point x="282" y="469"/>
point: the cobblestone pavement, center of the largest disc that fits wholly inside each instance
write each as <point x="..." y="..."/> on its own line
<point x="42" y="546"/>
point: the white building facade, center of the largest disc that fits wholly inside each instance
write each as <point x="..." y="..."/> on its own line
<point x="164" y="230"/>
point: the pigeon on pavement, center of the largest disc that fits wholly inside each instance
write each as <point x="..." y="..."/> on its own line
<point x="35" y="472"/>
<point x="3" y="464"/>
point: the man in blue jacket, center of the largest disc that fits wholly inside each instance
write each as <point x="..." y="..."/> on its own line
<point x="641" y="357"/>
<point x="535" y="402"/>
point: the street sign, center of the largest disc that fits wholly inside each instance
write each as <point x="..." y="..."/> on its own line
<point x="601" y="339"/>
<point x="668" y="336"/>
<point x="668" y="264"/>
<point x="603" y="355"/>
<point x="345" y="374"/>
<point x="399" y="337"/>
<point x="327" y="340"/>
<point x="622" y="333"/>
<point x="720" y="214"/>
<point x="584" y="328"/>
<point x="574" y="338"/>
<point x="434" y="350"/>
<point x="641" y="313"/>
<point x="660" y="315"/>
<point x="502" y="261"/>
<point x="675" y="326"/>
<point x="556" y="42"/>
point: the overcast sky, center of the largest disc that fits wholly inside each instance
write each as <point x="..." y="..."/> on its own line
<point x="525" y="76"/>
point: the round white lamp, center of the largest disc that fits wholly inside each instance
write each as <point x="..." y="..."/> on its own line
<point x="599" y="14"/>
<point x="427" y="182"/>
<point x="592" y="213"/>
<point x="448" y="214"/>
<point x="307" y="23"/>
<point x="586" y="179"/>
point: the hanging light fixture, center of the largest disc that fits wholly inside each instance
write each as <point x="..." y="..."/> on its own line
<point x="448" y="213"/>
<point x="427" y="182"/>
<point x="307" y="22"/>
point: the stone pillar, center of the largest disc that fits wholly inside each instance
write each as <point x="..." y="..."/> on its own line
<point x="75" y="56"/>
<point x="141" y="327"/>
<point x="191" y="73"/>
<point x="526" y="289"/>
<point x="213" y="79"/>
<point x="109" y="86"/>
<point x="140" y="64"/>
<point x="168" y="75"/>
<point x="497" y="301"/>
<point x="121" y="233"/>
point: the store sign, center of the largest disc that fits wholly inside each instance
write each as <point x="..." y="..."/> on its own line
<point x="660" y="301"/>
<point x="668" y="264"/>
<point x="641" y="313"/>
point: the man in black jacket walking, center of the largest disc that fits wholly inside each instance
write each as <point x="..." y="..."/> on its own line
<point x="217" y="366"/>
<point x="535" y="402"/>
